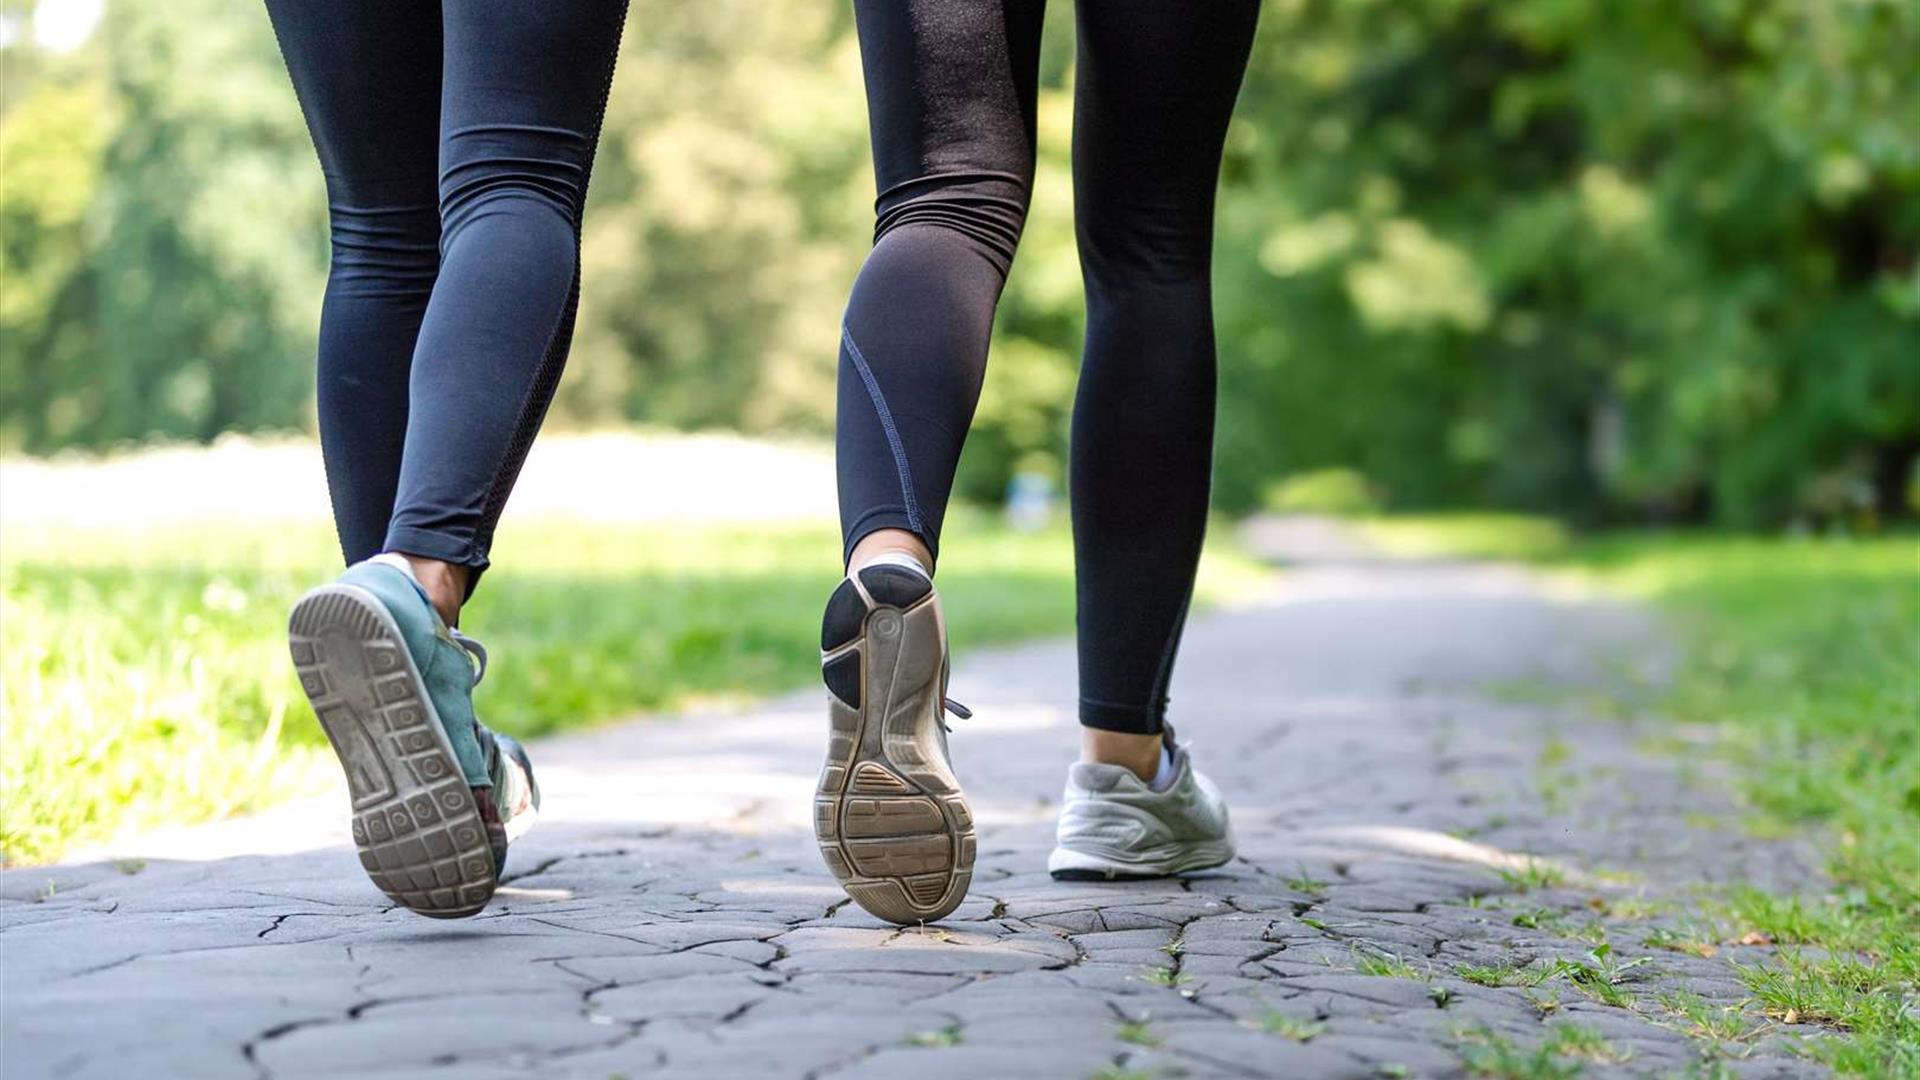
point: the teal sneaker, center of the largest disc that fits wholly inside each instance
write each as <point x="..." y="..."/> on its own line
<point x="436" y="796"/>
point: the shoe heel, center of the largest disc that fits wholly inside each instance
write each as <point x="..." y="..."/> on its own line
<point x="419" y="831"/>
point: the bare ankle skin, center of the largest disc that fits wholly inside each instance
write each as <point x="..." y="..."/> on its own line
<point x="886" y="541"/>
<point x="445" y="583"/>
<point x="1139" y="753"/>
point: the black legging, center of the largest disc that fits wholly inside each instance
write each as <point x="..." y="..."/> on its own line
<point x="456" y="137"/>
<point x="951" y="87"/>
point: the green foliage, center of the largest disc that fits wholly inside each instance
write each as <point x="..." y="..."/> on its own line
<point x="1343" y="492"/>
<point x="1576" y="255"/>
<point x="1549" y="254"/>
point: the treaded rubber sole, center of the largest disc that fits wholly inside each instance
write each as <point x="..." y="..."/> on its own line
<point x="893" y="825"/>
<point x="1068" y="865"/>
<point x="419" y="832"/>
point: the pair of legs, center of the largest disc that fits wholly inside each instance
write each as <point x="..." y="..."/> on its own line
<point x="951" y="88"/>
<point x="456" y="138"/>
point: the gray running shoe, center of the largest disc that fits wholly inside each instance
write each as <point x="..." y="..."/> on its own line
<point x="1112" y="825"/>
<point x="436" y="796"/>
<point x="892" y="823"/>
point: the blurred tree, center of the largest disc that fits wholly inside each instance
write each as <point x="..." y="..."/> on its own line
<point x="51" y="143"/>
<point x="1578" y="255"/>
<point x="1572" y="255"/>
<point x="730" y="197"/>
<point x="211" y="252"/>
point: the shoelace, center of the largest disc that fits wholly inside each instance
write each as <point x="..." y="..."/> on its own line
<point x="475" y="650"/>
<point x="956" y="709"/>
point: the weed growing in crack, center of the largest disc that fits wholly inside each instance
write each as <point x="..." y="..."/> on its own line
<point x="939" y="1038"/>
<point x="1137" y="1033"/>
<point x="1585" y="1044"/>
<point x="1488" y="1053"/>
<point x="1701" y="1019"/>
<point x="1164" y="976"/>
<point x="1503" y="974"/>
<point x="1384" y="964"/>
<point x="1541" y="919"/>
<point x="1532" y="874"/>
<point x="1303" y="882"/>
<point x="1546" y="1004"/>
<point x="1599" y="976"/>
<point x="1274" y="1022"/>
<point x="1688" y="940"/>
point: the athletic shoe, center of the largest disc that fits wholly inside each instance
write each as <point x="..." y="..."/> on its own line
<point x="1113" y="825"/>
<point x="891" y="821"/>
<point x="436" y="796"/>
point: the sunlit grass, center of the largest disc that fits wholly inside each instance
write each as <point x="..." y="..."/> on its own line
<point x="1803" y="655"/>
<point x="1465" y="536"/>
<point x="146" y="680"/>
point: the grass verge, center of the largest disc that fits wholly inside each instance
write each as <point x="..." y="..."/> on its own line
<point x="145" y="676"/>
<point x="1803" y="654"/>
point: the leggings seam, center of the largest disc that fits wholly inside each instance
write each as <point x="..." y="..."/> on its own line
<point x="886" y="425"/>
<point x="546" y="377"/>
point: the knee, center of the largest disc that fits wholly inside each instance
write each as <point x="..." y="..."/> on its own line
<point x="1160" y="247"/>
<point x="518" y="170"/>
<point x="987" y="210"/>
<point x="384" y="247"/>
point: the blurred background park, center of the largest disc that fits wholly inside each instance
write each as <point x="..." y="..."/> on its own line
<point x="1630" y="288"/>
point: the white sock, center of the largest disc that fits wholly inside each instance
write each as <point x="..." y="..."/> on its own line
<point x="897" y="558"/>
<point x="1164" y="776"/>
<point x="398" y="562"/>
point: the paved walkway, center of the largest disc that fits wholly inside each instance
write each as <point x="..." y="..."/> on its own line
<point x="1389" y="780"/>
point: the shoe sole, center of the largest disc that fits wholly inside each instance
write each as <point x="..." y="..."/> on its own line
<point x="419" y="832"/>
<point x="1066" y="864"/>
<point x="893" y="825"/>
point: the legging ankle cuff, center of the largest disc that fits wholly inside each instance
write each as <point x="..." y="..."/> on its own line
<point x="1125" y="719"/>
<point x="885" y="517"/>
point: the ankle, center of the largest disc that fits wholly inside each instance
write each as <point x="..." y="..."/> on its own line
<point x="1139" y="754"/>
<point x="890" y="542"/>
<point x="444" y="583"/>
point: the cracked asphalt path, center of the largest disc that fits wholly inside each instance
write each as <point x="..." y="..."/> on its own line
<point x="1403" y="808"/>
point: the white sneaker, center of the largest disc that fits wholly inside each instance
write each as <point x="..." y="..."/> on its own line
<point x="1114" y="825"/>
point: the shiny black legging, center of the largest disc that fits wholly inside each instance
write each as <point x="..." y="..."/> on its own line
<point x="456" y="137"/>
<point x="950" y="95"/>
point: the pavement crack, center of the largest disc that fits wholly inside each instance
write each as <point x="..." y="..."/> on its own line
<point x="539" y="868"/>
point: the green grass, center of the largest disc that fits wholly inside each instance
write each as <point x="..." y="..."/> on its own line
<point x="1164" y="976"/>
<point x="1274" y="1022"/>
<point x="1700" y="1018"/>
<point x="1488" y="1053"/>
<point x="1802" y="655"/>
<point x="1505" y="973"/>
<point x="1532" y="874"/>
<point x="1136" y="1032"/>
<point x="1384" y="964"/>
<point x="146" y="681"/>
<point x="937" y="1039"/>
